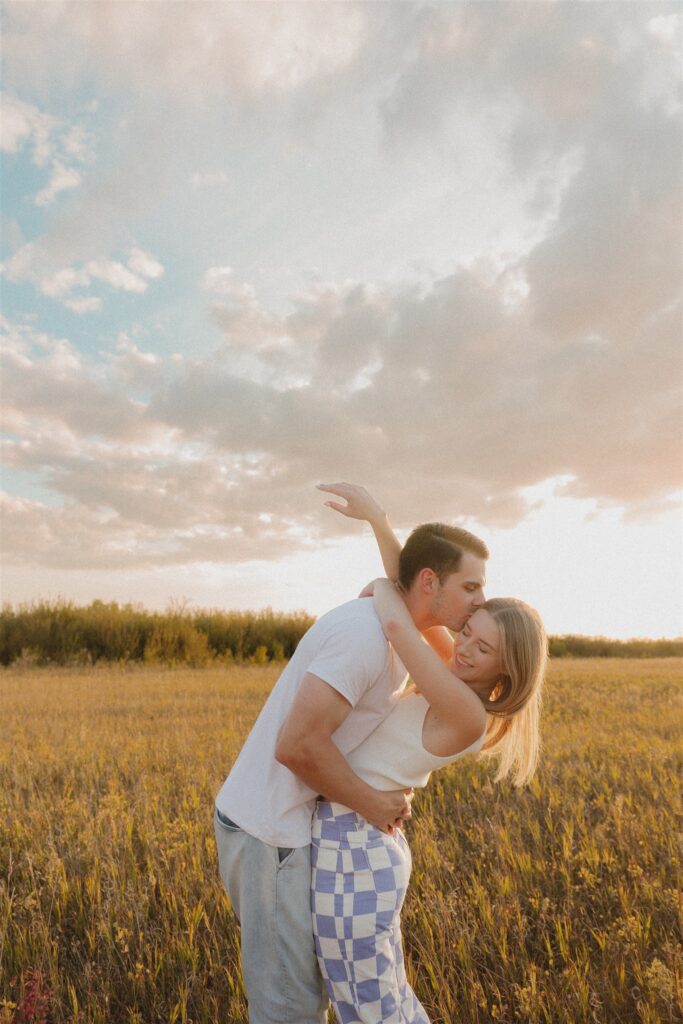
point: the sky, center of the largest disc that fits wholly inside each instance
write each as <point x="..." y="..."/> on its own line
<point x="433" y="248"/>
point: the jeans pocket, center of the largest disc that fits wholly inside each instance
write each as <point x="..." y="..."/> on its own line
<point x="226" y="823"/>
<point x="285" y="856"/>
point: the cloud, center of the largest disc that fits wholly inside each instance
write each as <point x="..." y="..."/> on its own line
<point x="235" y="309"/>
<point x="52" y="389"/>
<point x="32" y="263"/>
<point x="144" y="265"/>
<point x="219" y="281"/>
<point x="128" y="488"/>
<point x="449" y="399"/>
<point x="78" y="143"/>
<point x="452" y="392"/>
<point x="54" y="143"/>
<point x="22" y="123"/>
<point x="84" y="305"/>
<point x="116" y="275"/>
<point x="62" y="178"/>
<point x="204" y="48"/>
<point x="439" y="382"/>
<point x="76" y="537"/>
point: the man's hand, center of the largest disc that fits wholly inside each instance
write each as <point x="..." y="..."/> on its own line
<point x="359" y="502"/>
<point x="390" y="810"/>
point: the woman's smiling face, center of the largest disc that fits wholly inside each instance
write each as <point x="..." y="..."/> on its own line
<point x="477" y="657"/>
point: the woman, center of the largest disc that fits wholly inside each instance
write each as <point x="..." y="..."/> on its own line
<point x="359" y="873"/>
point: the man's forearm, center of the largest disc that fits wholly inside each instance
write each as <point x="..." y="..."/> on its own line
<point x="304" y="745"/>
<point x="321" y="766"/>
<point x="328" y="772"/>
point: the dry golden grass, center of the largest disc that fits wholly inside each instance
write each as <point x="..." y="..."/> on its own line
<point x="558" y="904"/>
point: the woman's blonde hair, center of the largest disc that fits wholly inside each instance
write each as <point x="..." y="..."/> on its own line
<point x="514" y="706"/>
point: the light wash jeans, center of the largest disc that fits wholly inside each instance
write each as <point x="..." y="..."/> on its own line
<point x="272" y="900"/>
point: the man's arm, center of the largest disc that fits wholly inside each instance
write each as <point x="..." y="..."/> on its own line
<point x="305" y="746"/>
<point x="440" y="641"/>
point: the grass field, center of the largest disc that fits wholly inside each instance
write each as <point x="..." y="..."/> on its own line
<point x="557" y="904"/>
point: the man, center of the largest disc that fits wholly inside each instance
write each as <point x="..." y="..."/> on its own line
<point x="342" y="680"/>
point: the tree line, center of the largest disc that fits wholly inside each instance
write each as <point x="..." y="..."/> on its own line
<point x="62" y="633"/>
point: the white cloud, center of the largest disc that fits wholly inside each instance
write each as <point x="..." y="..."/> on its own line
<point x="62" y="179"/>
<point x="90" y="304"/>
<point x="20" y="266"/>
<point x="60" y="283"/>
<point x="54" y="143"/>
<point x="116" y="275"/>
<point x="14" y="128"/>
<point x="31" y="263"/>
<point x="144" y="265"/>
<point x="23" y="122"/>
<point x="78" y="143"/>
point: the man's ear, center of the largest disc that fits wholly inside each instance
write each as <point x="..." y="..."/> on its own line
<point x="428" y="581"/>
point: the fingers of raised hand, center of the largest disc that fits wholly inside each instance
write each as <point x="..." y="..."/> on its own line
<point x="356" y="507"/>
<point x="341" y="488"/>
<point x="337" y="507"/>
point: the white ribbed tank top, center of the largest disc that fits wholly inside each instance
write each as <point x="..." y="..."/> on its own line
<point x="393" y="757"/>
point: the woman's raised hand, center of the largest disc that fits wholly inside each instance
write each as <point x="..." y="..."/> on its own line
<point x="359" y="502"/>
<point x="361" y="505"/>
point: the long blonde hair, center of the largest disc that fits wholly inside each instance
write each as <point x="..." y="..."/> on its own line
<point x="514" y="706"/>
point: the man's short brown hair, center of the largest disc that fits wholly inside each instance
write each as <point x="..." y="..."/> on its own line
<point x="439" y="547"/>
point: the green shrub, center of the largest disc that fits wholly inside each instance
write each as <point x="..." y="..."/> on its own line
<point x="61" y="633"/>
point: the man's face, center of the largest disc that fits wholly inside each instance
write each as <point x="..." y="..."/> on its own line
<point x="460" y="594"/>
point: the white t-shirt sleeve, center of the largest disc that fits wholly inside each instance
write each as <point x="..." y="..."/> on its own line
<point x="351" y="658"/>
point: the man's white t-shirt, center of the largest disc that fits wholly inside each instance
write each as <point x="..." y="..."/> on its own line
<point x="348" y="650"/>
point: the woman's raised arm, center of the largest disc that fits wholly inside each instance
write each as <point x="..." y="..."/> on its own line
<point x="450" y="697"/>
<point x="361" y="505"/>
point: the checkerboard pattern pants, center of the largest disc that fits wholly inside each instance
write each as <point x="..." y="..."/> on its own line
<point x="358" y="884"/>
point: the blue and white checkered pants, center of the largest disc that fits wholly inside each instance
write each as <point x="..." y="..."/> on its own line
<point x="358" y="884"/>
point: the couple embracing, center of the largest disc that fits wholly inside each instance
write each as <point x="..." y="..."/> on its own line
<point x="309" y="821"/>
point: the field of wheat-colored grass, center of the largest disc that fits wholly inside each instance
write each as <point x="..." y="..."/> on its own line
<point x="557" y="904"/>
